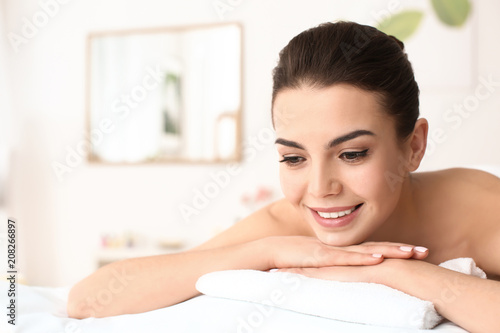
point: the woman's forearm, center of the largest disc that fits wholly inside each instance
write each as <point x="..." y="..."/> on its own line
<point x="144" y="284"/>
<point x="468" y="301"/>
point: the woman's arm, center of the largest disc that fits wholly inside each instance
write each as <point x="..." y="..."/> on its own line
<point x="468" y="301"/>
<point x="149" y="283"/>
<point x="144" y="284"/>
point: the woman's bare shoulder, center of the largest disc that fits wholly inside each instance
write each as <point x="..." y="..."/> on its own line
<point x="465" y="178"/>
<point x="478" y="177"/>
<point x="279" y="218"/>
<point x="284" y="213"/>
<point x="458" y="192"/>
<point x="473" y="198"/>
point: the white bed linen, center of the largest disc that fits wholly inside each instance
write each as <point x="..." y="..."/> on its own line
<point x="43" y="310"/>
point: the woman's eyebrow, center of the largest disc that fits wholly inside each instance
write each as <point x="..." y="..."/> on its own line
<point x="332" y="143"/>
<point x="347" y="137"/>
<point x="289" y="143"/>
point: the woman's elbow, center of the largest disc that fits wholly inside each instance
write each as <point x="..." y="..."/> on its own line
<point x="100" y="294"/>
<point x="77" y="306"/>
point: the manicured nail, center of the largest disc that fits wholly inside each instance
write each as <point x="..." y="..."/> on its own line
<point x="421" y="249"/>
<point x="406" y="248"/>
<point x="377" y="255"/>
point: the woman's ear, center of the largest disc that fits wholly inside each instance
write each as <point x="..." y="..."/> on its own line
<point x="418" y="143"/>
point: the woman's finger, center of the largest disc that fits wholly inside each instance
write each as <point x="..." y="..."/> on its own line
<point x="392" y="250"/>
<point x="340" y="257"/>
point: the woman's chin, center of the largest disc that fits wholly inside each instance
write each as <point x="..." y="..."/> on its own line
<point x="339" y="239"/>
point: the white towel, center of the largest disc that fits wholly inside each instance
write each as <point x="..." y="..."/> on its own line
<point x="464" y="265"/>
<point x="358" y="302"/>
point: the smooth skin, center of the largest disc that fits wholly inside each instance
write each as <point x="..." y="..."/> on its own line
<point x="453" y="213"/>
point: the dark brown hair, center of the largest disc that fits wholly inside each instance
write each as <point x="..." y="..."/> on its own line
<point x="355" y="54"/>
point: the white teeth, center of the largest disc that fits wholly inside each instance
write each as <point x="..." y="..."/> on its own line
<point x="335" y="215"/>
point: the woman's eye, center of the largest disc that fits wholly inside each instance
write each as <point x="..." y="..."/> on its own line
<point x="292" y="160"/>
<point x="353" y="156"/>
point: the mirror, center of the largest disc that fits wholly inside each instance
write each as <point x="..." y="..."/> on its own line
<point x="165" y="95"/>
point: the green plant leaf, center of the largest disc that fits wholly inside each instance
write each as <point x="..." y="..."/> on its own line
<point x="452" y="12"/>
<point x="401" y="25"/>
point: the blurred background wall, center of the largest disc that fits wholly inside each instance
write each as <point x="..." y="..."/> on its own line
<point x="42" y="112"/>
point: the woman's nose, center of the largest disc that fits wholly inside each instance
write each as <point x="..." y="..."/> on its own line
<point x="323" y="182"/>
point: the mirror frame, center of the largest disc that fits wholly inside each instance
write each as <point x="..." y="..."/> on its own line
<point x="238" y="154"/>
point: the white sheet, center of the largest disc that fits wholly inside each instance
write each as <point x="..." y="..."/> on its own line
<point x="43" y="310"/>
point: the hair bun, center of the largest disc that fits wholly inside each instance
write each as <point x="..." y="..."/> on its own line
<point x="400" y="43"/>
<point x="331" y="53"/>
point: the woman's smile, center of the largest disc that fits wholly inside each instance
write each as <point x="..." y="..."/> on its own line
<point x="335" y="217"/>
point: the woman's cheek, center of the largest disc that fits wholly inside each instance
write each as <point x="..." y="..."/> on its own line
<point x="292" y="186"/>
<point x="385" y="186"/>
<point x="361" y="180"/>
<point x="370" y="182"/>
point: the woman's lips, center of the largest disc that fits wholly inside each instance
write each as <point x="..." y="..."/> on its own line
<point x="332" y="221"/>
<point x="333" y="209"/>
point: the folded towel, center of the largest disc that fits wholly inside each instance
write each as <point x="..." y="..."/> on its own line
<point x="358" y="302"/>
<point x="464" y="265"/>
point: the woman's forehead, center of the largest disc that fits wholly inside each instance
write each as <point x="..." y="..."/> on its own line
<point x="339" y="105"/>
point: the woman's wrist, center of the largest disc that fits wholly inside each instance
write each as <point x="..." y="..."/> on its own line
<point x="261" y="254"/>
<point x="268" y="248"/>
<point x="390" y="271"/>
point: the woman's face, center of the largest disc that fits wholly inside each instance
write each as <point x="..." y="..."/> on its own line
<point x="341" y="165"/>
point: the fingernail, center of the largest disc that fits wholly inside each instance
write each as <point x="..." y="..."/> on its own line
<point x="377" y="255"/>
<point x="421" y="249"/>
<point x="406" y="248"/>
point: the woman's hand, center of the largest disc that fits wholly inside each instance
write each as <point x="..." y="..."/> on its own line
<point x="367" y="273"/>
<point x="309" y="252"/>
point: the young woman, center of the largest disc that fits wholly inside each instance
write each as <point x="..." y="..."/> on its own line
<point x="346" y="114"/>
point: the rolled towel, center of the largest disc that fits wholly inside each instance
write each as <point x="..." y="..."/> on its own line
<point x="357" y="302"/>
